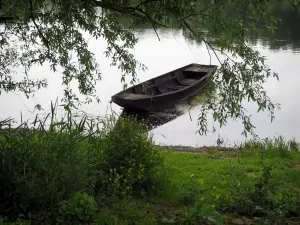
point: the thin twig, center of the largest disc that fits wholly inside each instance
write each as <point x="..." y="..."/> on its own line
<point x="210" y="6"/>
<point x="128" y="10"/>
<point x="190" y="113"/>
<point x="151" y="21"/>
<point x="208" y="53"/>
<point x="155" y="31"/>
<point x="191" y="30"/>
<point x="145" y="2"/>
<point x="212" y="48"/>
<point x="45" y="41"/>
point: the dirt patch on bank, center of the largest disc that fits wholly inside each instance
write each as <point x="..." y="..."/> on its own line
<point x="204" y="149"/>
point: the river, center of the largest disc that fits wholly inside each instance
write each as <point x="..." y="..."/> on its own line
<point x="160" y="56"/>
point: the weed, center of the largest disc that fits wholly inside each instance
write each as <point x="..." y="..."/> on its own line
<point x="293" y="145"/>
<point x="134" y="164"/>
<point x="39" y="169"/>
<point x="80" y="208"/>
<point x="200" y="202"/>
<point x="269" y="146"/>
<point x="125" y="213"/>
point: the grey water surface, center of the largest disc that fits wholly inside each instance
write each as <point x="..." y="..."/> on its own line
<point x="179" y="126"/>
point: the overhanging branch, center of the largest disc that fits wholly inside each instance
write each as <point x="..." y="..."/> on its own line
<point x="207" y="43"/>
<point x="134" y="11"/>
<point x="6" y="19"/>
<point x="128" y="10"/>
<point x="45" y="41"/>
<point x="145" y="2"/>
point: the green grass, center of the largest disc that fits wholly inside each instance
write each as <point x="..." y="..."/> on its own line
<point x="210" y="166"/>
<point x="215" y="176"/>
<point x="229" y="181"/>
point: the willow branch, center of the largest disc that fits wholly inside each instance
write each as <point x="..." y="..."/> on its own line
<point x="145" y="2"/>
<point x="208" y="44"/>
<point x="151" y="21"/>
<point x="128" y="10"/>
<point x="5" y="19"/>
<point x="45" y="41"/>
<point x="210" y="6"/>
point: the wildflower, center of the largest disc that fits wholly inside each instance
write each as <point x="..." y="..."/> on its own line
<point x="201" y="181"/>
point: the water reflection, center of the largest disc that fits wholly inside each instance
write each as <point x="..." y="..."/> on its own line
<point x="286" y="36"/>
<point x="153" y="120"/>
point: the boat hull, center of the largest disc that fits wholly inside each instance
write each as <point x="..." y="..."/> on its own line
<point x="161" y="101"/>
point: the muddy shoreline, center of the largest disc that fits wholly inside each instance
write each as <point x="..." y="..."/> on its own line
<point x="203" y="149"/>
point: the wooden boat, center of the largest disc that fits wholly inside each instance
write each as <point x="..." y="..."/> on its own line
<point x="165" y="90"/>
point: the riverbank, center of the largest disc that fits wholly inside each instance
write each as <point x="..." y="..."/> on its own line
<point x="68" y="176"/>
<point x="256" y="184"/>
<point x="191" y="149"/>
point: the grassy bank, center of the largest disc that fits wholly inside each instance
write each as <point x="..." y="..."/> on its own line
<point x="76" y="173"/>
<point x="259" y="183"/>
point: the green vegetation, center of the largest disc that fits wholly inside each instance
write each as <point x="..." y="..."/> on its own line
<point x="65" y="173"/>
<point x="260" y="180"/>
<point x="73" y="173"/>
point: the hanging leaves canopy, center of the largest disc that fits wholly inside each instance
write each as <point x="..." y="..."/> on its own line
<point x="52" y="31"/>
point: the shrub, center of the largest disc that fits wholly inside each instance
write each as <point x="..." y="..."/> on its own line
<point x="293" y="145"/>
<point x="200" y="200"/>
<point x="276" y="146"/>
<point x="80" y="208"/>
<point x="133" y="164"/>
<point x="105" y="217"/>
<point x="39" y="168"/>
<point x="126" y="213"/>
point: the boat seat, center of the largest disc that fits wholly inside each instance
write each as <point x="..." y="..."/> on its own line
<point x="197" y="68"/>
<point x="132" y="96"/>
<point x="166" y="89"/>
<point x="175" y="87"/>
<point x="188" y="82"/>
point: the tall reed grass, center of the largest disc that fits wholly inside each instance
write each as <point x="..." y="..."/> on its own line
<point x="44" y="163"/>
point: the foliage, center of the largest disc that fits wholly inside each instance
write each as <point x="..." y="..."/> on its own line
<point x="41" y="31"/>
<point x="80" y="208"/>
<point x="134" y="164"/>
<point x="125" y="213"/>
<point x="266" y="197"/>
<point x="64" y="169"/>
<point x="277" y="145"/>
<point x="39" y="169"/>
<point x="199" y="202"/>
<point x="105" y="217"/>
<point x="18" y="222"/>
<point x="255" y="181"/>
<point x="68" y="175"/>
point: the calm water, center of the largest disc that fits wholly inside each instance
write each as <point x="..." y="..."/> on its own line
<point x="173" y="51"/>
